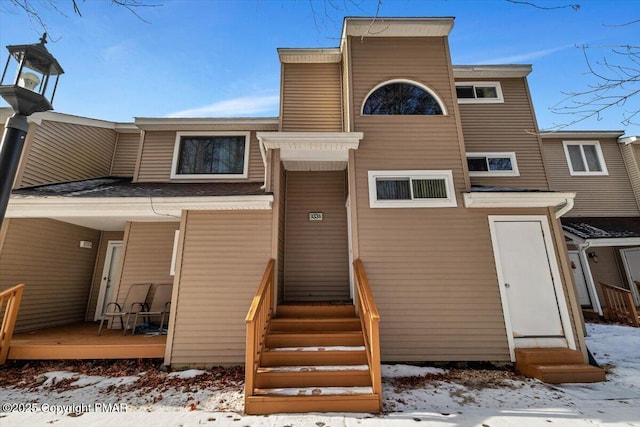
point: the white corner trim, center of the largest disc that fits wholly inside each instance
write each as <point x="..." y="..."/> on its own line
<point x="515" y="199"/>
<point x="134" y="208"/>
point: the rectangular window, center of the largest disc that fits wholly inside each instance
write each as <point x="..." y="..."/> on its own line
<point x="210" y="155"/>
<point x="584" y="158"/>
<point x="479" y="92"/>
<point x="411" y="189"/>
<point x="492" y="164"/>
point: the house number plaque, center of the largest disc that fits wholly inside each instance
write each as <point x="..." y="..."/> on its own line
<point x="315" y="216"/>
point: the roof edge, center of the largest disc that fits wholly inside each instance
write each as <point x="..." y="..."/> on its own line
<point x="491" y="71"/>
<point x="396" y="27"/>
<point x="581" y="134"/>
<point x="311" y="55"/>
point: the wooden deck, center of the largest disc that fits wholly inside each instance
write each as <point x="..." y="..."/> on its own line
<point x="80" y="341"/>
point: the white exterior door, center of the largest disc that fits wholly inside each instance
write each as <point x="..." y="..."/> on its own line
<point x="631" y="261"/>
<point x="108" y="283"/>
<point x="535" y="310"/>
<point x="579" y="279"/>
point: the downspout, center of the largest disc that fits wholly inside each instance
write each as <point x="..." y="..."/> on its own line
<point x="568" y="205"/>
<point x="263" y="153"/>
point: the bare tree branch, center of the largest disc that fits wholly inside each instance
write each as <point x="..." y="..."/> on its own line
<point x="616" y="84"/>
<point x="635" y="21"/>
<point x="575" y="7"/>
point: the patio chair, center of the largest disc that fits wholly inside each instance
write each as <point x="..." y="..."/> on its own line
<point x="160" y="306"/>
<point x="133" y="302"/>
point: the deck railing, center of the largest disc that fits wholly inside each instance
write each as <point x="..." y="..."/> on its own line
<point x="619" y="305"/>
<point x="370" y="320"/>
<point x="10" y="301"/>
<point x="257" y="321"/>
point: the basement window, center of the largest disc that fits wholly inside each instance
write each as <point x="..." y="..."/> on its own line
<point x="411" y="189"/>
<point x="492" y="164"/>
<point x="479" y="92"/>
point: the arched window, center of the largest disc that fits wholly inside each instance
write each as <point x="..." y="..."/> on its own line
<point x="402" y="98"/>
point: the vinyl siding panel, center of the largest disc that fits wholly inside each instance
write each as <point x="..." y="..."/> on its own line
<point x="157" y="157"/>
<point x="508" y="127"/>
<point x="62" y="152"/>
<point x="610" y="195"/>
<point x="431" y="270"/>
<point x="148" y="247"/>
<point x="631" y="155"/>
<point x="46" y="256"/>
<point x="126" y="155"/>
<point x="105" y="237"/>
<point x="608" y="269"/>
<point x="312" y="98"/>
<point x="223" y="258"/>
<point x="316" y="257"/>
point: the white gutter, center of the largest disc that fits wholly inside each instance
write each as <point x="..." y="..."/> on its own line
<point x="586" y="270"/>
<point x="566" y="208"/>
<point x="626" y="140"/>
<point x="263" y="153"/>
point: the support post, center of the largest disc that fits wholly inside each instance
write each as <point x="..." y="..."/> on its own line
<point x="15" y="133"/>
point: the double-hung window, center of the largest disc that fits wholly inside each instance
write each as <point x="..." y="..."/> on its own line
<point x="411" y="189"/>
<point x="211" y="155"/>
<point x="492" y="164"/>
<point x="479" y="92"/>
<point x="584" y="158"/>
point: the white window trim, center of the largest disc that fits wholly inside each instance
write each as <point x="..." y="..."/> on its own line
<point x="510" y="154"/>
<point x="604" y="170"/>
<point x="411" y="82"/>
<point x="498" y="100"/>
<point x="176" y="156"/>
<point x="450" y="201"/>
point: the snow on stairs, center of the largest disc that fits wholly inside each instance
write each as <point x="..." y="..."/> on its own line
<point x="556" y="365"/>
<point x="314" y="361"/>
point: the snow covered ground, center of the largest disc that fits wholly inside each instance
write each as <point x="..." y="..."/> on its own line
<point x="413" y="396"/>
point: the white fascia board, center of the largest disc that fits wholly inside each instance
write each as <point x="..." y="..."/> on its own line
<point x="309" y="56"/>
<point x="310" y="140"/>
<point x="203" y="123"/>
<point x="586" y="134"/>
<point x="129" y="207"/>
<point x="491" y="71"/>
<point x="397" y="27"/>
<point x="621" y="241"/>
<point x="52" y="116"/>
<point x="515" y="199"/>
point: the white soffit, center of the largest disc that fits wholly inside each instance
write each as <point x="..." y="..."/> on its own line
<point x="490" y="71"/>
<point x="397" y="27"/>
<point x="309" y="56"/>
<point x="516" y="199"/>
<point x="311" y="146"/>
<point x="97" y="212"/>
<point x="582" y="134"/>
<point x="52" y="116"/>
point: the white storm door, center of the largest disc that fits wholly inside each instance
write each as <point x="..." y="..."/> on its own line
<point x="536" y="314"/>
<point x="631" y="261"/>
<point x="579" y="279"/>
<point x="108" y="282"/>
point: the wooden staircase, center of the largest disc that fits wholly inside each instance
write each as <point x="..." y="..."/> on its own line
<point x="314" y="360"/>
<point x="556" y="365"/>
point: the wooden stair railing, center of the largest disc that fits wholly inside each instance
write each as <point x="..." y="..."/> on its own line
<point x="619" y="305"/>
<point x="370" y="318"/>
<point x="10" y="301"/>
<point x="257" y="321"/>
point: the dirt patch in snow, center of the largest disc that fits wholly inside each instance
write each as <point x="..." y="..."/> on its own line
<point x="473" y="379"/>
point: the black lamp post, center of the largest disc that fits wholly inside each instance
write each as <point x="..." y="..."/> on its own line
<point x="27" y="95"/>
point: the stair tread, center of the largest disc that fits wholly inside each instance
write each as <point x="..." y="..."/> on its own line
<point x="314" y="391"/>
<point x="324" y="348"/>
<point x="316" y="319"/>
<point x="314" y="368"/>
<point x="569" y="367"/>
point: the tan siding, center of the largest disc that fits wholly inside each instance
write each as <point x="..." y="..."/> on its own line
<point x="148" y="248"/>
<point x="46" y="256"/>
<point x="224" y="256"/>
<point x="316" y="255"/>
<point x="281" y="231"/>
<point x="62" y="152"/>
<point x="631" y="155"/>
<point x="157" y="157"/>
<point x="606" y="270"/>
<point x="431" y="270"/>
<point x="506" y="127"/>
<point x="126" y="154"/>
<point x="105" y="237"/>
<point x="610" y="195"/>
<point x="312" y="98"/>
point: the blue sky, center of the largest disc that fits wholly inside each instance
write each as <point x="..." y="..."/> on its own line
<point x="218" y="58"/>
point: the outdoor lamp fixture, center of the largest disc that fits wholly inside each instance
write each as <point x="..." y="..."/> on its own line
<point x="593" y="256"/>
<point x="29" y="92"/>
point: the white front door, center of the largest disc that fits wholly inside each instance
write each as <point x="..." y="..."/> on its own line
<point x="631" y="261"/>
<point x="579" y="279"/>
<point x="536" y="314"/>
<point x="108" y="283"/>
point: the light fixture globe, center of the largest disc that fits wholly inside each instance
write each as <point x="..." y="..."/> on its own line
<point x="29" y="92"/>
